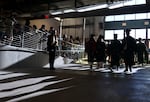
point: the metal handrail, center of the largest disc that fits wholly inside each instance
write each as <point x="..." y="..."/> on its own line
<point x="72" y="51"/>
<point x="38" y="41"/>
<point x="25" y="40"/>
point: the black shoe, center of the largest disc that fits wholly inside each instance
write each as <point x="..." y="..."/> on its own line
<point x="52" y="68"/>
<point x="111" y="70"/>
<point x="125" y="70"/>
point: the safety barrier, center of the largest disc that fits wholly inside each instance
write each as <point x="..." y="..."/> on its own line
<point x="26" y="40"/>
<point x="38" y="41"/>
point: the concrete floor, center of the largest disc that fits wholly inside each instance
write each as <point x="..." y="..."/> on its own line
<point x="66" y="85"/>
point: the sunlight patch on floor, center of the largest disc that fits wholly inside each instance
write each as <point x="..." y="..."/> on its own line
<point x="24" y="82"/>
<point x="12" y="75"/>
<point x="27" y="87"/>
<point x="37" y="94"/>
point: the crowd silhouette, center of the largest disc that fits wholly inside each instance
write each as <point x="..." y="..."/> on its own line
<point x="126" y="51"/>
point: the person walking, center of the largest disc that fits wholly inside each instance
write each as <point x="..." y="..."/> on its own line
<point x="90" y="48"/>
<point x="141" y="48"/>
<point x="51" y="47"/>
<point x="115" y="52"/>
<point x="100" y="51"/>
<point x="129" y="49"/>
<point x="51" y="30"/>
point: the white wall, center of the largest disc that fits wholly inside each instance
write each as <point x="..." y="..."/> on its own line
<point x="14" y="57"/>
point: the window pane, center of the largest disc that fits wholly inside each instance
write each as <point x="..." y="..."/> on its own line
<point x="120" y="33"/>
<point x="130" y="17"/>
<point x="148" y="33"/>
<point x="140" y="2"/>
<point x="109" y="34"/>
<point x="109" y="18"/>
<point x="119" y="17"/>
<point x="128" y="3"/>
<point x="132" y="33"/>
<point x="141" y="16"/>
<point x="140" y="33"/>
<point x="148" y="15"/>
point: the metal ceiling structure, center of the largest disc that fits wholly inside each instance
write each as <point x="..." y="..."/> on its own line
<point x="37" y="8"/>
<point x="32" y="6"/>
<point x="42" y="5"/>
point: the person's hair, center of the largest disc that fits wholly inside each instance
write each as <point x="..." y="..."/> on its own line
<point x="27" y="23"/>
<point x="139" y="39"/>
<point x="101" y="37"/>
<point x="34" y="26"/>
<point x="128" y="30"/>
<point x="115" y="35"/>
<point x="43" y="26"/>
<point x="92" y="35"/>
<point x="51" y="27"/>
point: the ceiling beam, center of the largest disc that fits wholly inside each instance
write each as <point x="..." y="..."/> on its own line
<point x="106" y="11"/>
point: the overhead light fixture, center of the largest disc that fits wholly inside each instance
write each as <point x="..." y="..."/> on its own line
<point x="124" y="24"/>
<point x="55" y="12"/>
<point x="57" y="18"/>
<point x="146" y="23"/>
<point x="129" y="3"/>
<point x="92" y="7"/>
<point x="126" y="3"/>
<point x="69" y="10"/>
<point x="116" y="5"/>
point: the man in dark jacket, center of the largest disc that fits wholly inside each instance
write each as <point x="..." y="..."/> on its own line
<point x="51" y="47"/>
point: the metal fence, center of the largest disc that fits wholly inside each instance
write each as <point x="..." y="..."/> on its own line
<point x="38" y="41"/>
<point x="26" y="40"/>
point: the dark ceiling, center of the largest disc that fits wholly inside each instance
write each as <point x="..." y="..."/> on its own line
<point x="41" y="7"/>
<point x="32" y="6"/>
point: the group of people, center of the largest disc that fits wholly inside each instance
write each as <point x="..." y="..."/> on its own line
<point x="98" y="50"/>
<point x="126" y="50"/>
<point x="71" y="39"/>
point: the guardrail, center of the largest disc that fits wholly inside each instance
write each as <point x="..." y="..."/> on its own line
<point x="26" y="40"/>
<point x="38" y="41"/>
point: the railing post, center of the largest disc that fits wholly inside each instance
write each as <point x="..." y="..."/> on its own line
<point x="22" y="40"/>
<point x="84" y="28"/>
<point x="60" y="35"/>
